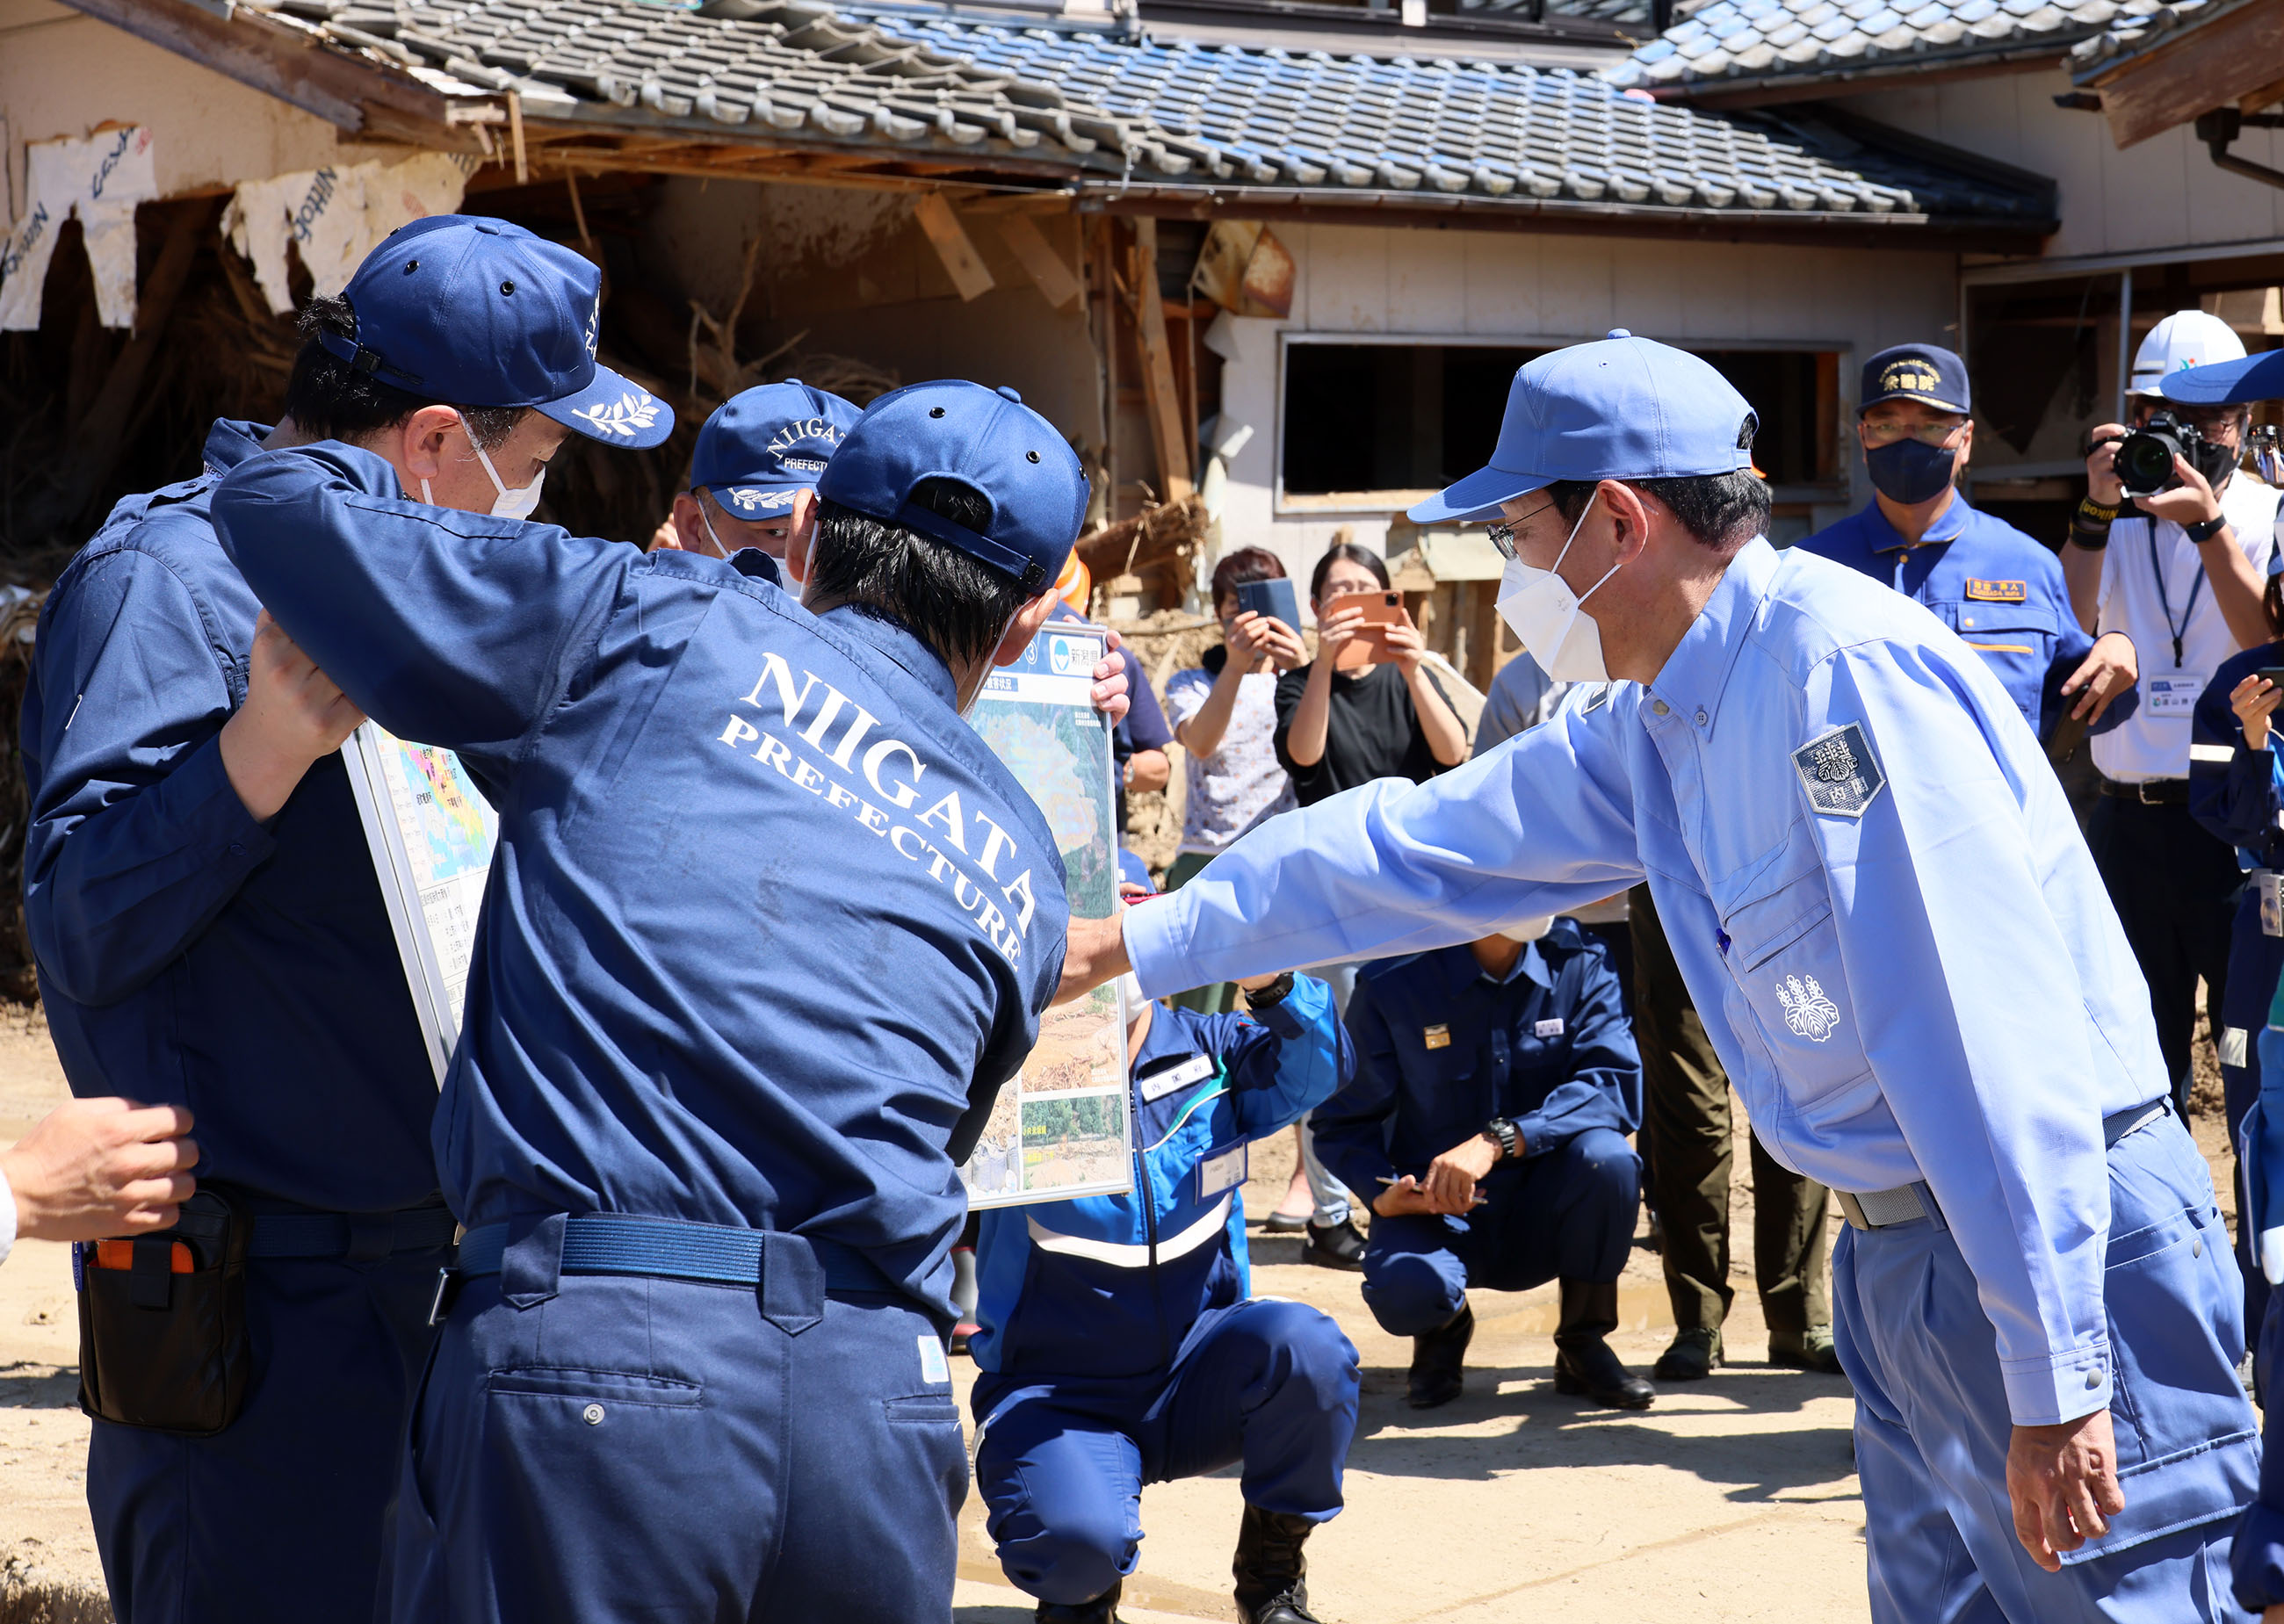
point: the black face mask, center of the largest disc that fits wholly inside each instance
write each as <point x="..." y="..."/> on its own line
<point x="2214" y="460"/>
<point x="1910" y="473"/>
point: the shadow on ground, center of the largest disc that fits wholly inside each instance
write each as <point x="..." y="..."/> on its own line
<point x="38" y="1386"/>
<point x="1750" y="1464"/>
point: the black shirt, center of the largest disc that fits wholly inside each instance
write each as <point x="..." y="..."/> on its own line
<point x="1372" y="731"/>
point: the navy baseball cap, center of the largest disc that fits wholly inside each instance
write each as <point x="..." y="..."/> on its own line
<point x="984" y="439"/>
<point x="1620" y="408"/>
<point x="761" y="446"/>
<point x="2227" y="383"/>
<point x="479" y="312"/>
<point x="1927" y="373"/>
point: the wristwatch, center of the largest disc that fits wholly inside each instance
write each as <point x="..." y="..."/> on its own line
<point x="1501" y="1129"/>
<point x="1263" y="998"/>
<point x="2205" y="529"/>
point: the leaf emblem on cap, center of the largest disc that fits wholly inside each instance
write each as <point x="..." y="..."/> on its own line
<point x="627" y="415"/>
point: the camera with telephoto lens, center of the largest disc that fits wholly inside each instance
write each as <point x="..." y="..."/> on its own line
<point x="2144" y="464"/>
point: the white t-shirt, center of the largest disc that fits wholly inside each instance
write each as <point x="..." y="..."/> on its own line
<point x="2153" y="741"/>
<point x="1240" y="783"/>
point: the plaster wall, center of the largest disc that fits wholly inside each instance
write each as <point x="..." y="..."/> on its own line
<point x="2162" y="193"/>
<point x="62" y="73"/>
<point x="1450" y="285"/>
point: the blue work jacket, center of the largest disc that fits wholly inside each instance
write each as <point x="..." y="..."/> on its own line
<point x="188" y="954"/>
<point x="768" y="925"/>
<point x="1110" y="1285"/>
<point x="2000" y="590"/>
<point x="1442" y="1049"/>
<point x="2235" y="791"/>
<point x="1875" y="891"/>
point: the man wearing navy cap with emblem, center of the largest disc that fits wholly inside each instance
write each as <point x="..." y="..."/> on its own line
<point x="210" y="933"/>
<point x="2002" y="592"/>
<point x="705" y="1117"/>
<point x="753" y="477"/>
<point x="1889" y="921"/>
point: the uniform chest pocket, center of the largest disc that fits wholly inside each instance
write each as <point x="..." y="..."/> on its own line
<point x="2016" y="640"/>
<point x="1783" y="955"/>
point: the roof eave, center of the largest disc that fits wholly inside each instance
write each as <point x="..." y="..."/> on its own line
<point x="1734" y="90"/>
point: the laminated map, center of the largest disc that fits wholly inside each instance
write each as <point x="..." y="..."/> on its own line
<point x="432" y="833"/>
<point x="1060" y="1127"/>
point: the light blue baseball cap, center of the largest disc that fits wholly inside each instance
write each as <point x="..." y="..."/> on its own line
<point x="1621" y="408"/>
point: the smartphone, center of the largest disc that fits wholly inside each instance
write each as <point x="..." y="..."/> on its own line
<point x="2272" y="674"/>
<point x="1273" y="600"/>
<point x="1381" y="610"/>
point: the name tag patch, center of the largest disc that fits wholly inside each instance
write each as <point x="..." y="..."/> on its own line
<point x="1999" y="591"/>
<point x="935" y="1368"/>
<point x="1548" y="1028"/>
<point x="2171" y="696"/>
<point x="1221" y="1170"/>
<point x="1838" y="771"/>
<point x="1157" y="1085"/>
<point x="1436" y="1036"/>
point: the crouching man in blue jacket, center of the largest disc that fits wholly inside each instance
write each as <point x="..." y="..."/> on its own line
<point x="1495" y="1083"/>
<point x="1119" y="1344"/>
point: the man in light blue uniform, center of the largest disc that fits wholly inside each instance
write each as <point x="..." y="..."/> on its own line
<point x="703" y="1122"/>
<point x="2002" y="592"/>
<point x="1886" y="914"/>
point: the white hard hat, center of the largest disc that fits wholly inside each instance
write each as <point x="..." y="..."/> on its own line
<point x="2183" y="339"/>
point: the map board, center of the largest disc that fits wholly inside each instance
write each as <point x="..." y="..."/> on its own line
<point x="432" y="834"/>
<point x="1061" y="1128"/>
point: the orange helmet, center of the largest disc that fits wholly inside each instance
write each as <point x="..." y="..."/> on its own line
<point x="1075" y="586"/>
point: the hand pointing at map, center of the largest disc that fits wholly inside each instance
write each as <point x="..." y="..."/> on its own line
<point x="292" y="716"/>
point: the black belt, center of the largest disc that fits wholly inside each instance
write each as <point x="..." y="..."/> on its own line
<point x="2152" y="793"/>
<point x="359" y="1237"/>
<point x="671" y="1249"/>
<point x="1879" y="1208"/>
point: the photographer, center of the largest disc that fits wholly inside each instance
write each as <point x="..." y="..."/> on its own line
<point x="2180" y="570"/>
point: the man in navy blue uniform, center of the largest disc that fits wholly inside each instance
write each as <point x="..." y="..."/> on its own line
<point x="1496" y="1083"/>
<point x="2002" y="592"/>
<point x="1121" y="1343"/>
<point x="753" y="477"/>
<point x="704" y="1119"/>
<point x="210" y="935"/>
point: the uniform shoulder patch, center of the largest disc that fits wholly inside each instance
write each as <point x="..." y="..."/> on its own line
<point x="1838" y="771"/>
<point x="1999" y="591"/>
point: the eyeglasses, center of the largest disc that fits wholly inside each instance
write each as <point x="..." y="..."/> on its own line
<point x="1888" y="433"/>
<point x="1502" y="534"/>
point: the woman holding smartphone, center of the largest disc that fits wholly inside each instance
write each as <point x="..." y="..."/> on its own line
<point x="1342" y="722"/>
<point x="2234" y="790"/>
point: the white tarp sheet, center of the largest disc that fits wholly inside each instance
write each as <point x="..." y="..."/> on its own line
<point x="336" y="214"/>
<point x="100" y="178"/>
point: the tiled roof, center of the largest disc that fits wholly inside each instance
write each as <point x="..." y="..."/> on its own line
<point x="2139" y="26"/>
<point x="1730" y="44"/>
<point x="1486" y="130"/>
<point x="1098" y="104"/>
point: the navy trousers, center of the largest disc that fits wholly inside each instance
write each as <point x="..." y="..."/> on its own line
<point x="593" y="1449"/>
<point x="283" y="1515"/>
<point x="2258" y="1554"/>
<point x="1568" y="1214"/>
<point x="1932" y="1424"/>
<point x="1061" y="1460"/>
<point x="2256" y="959"/>
<point x="2174" y="886"/>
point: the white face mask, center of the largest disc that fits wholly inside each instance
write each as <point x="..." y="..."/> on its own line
<point x="510" y="503"/>
<point x="708" y="520"/>
<point x="1550" y="619"/>
<point x="1527" y="930"/>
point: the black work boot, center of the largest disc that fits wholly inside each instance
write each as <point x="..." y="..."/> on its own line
<point x="1695" y="1355"/>
<point x="1808" y="1350"/>
<point x="1333" y="1246"/>
<point x="1438" y="1362"/>
<point x="1583" y="1362"/>
<point x="1102" y="1610"/>
<point x="1271" y="1568"/>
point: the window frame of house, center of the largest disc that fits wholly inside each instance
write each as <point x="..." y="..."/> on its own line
<point x="1371" y="503"/>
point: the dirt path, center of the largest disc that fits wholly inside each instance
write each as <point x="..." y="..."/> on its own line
<point x="1732" y="1501"/>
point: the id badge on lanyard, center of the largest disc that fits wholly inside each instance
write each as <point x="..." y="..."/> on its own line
<point x="2175" y="695"/>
